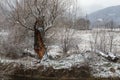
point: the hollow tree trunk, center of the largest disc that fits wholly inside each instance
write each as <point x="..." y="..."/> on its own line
<point x="39" y="46"/>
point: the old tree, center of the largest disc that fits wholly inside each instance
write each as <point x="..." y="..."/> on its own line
<point x="37" y="16"/>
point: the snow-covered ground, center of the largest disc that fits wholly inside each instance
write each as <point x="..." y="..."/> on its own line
<point x="100" y="66"/>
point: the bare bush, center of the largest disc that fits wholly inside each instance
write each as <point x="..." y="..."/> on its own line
<point x="66" y="40"/>
<point x="69" y="45"/>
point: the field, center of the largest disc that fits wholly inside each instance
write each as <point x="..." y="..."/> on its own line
<point x="80" y="51"/>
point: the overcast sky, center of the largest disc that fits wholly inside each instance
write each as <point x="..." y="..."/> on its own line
<point x="89" y="6"/>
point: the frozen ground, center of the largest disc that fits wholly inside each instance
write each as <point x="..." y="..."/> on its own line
<point x="100" y="66"/>
<point x="30" y="62"/>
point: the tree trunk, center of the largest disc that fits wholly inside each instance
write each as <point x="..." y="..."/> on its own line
<point x="39" y="46"/>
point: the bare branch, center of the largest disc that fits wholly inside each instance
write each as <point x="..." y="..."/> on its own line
<point x="25" y="26"/>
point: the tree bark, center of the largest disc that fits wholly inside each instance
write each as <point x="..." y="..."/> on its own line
<point x="39" y="46"/>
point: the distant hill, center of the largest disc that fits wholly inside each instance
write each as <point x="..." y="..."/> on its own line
<point x="106" y="14"/>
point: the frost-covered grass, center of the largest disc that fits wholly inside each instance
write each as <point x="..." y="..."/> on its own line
<point x="84" y="40"/>
<point x="75" y="56"/>
<point x="67" y="62"/>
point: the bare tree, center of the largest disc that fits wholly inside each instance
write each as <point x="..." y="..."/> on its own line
<point x="37" y="16"/>
<point x="66" y="40"/>
<point x="111" y="26"/>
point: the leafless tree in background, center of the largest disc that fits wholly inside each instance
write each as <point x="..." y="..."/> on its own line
<point x="111" y="25"/>
<point x="103" y="41"/>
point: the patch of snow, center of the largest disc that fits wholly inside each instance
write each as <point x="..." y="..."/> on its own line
<point x="54" y="50"/>
<point x="112" y="55"/>
<point x="32" y="52"/>
<point x="67" y="62"/>
<point x="101" y="53"/>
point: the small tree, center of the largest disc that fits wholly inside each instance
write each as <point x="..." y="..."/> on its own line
<point x="111" y="26"/>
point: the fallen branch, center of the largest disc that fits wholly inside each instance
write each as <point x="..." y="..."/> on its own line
<point x="109" y="56"/>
